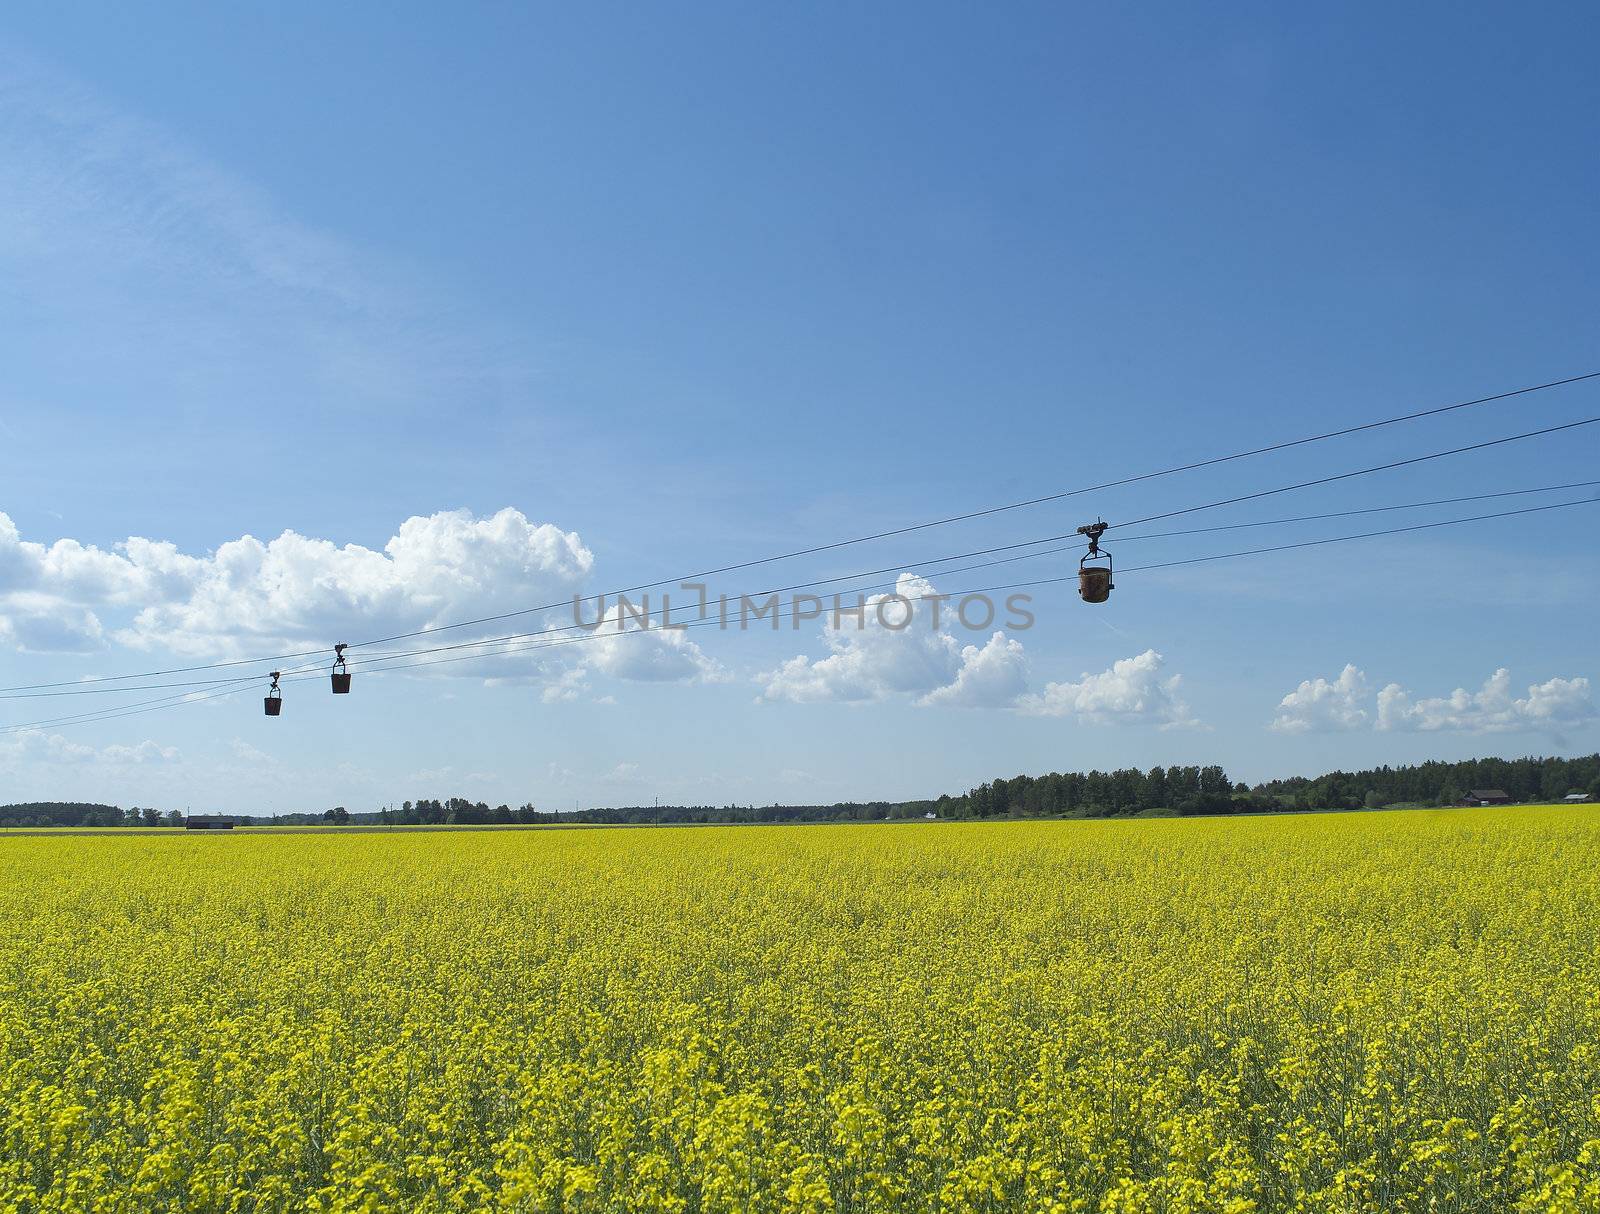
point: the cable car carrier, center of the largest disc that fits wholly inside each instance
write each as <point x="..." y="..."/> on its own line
<point x="341" y="674"/>
<point x="1094" y="580"/>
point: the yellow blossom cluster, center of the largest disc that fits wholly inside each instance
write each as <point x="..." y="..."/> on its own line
<point x="1362" y="1012"/>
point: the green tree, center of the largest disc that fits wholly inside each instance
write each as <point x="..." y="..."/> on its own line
<point x="1153" y="788"/>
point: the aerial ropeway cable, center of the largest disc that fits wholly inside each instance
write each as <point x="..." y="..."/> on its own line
<point x="341" y="674"/>
<point x="975" y="514"/>
<point x="1053" y="497"/>
<point x="1094" y="582"/>
<point x="376" y="664"/>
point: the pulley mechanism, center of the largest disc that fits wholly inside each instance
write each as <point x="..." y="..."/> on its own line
<point x="341" y="675"/>
<point x="274" y="701"/>
<point x="1094" y="578"/>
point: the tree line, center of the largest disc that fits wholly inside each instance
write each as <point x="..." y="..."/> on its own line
<point x="1435" y="783"/>
<point x="1121" y="793"/>
<point x="79" y="813"/>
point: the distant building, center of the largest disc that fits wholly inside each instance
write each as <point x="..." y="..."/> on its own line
<point x="1574" y="797"/>
<point x="208" y="822"/>
<point x="931" y="816"/>
<point x="1487" y="796"/>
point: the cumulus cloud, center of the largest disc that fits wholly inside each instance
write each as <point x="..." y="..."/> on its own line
<point x="989" y="677"/>
<point x="1318" y="705"/>
<point x="1132" y="691"/>
<point x="39" y="623"/>
<point x="436" y="569"/>
<point x="1347" y="703"/>
<point x="873" y="661"/>
<point x="289" y="590"/>
<point x="296" y="591"/>
<point x="625" y="648"/>
<point x="876" y="661"/>
<point x="1552" y="706"/>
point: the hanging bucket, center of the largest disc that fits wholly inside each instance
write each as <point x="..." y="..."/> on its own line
<point x="1094" y="582"/>
<point x="274" y="705"/>
<point x="341" y="676"/>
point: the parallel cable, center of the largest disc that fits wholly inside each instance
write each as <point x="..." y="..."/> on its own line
<point x="174" y="701"/>
<point x="1034" y="501"/>
<point x="126" y="689"/>
<point x="138" y="709"/>
<point x="1365" y="535"/>
<point x="957" y="518"/>
<point x="1308" y="518"/>
<point x="1337" y="539"/>
<point x="154" y="674"/>
<point x="370" y="662"/>
<point x="819" y="548"/>
<point x="243" y="683"/>
<point x="1344" y="476"/>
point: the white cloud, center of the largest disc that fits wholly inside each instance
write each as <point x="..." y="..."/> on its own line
<point x="623" y="773"/>
<point x="990" y="677"/>
<point x="246" y="753"/>
<point x="564" y="687"/>
<point x="145" y="752"/>
<point x="436" y="569"/>
<point x="291" y="590"/>
<point x="1318" y="705"/>
<point x="1550" y="706"/>
<point x="298" y="592"/>
<point x="624" y="648"/>
<point x="1346" y="703"/>
<point x="37" y="623"/>
<point x="872" y="661"/>
<point x="34" y="746"/>
<point x="1133" y="691"/>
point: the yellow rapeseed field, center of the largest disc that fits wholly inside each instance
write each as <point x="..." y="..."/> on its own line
<point x="1375" y="1012"/>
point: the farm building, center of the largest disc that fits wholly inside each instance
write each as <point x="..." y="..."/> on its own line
<point x="1573" y="798"/>
<point x="208" y="822"/>
<point x="1487" y="796"/>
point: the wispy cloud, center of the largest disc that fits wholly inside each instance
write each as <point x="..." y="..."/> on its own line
<point x="124" y="240"/>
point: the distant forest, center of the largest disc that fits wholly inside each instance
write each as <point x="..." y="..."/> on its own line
<point x="1094" y="794"/>
<point x="75" y="813"/>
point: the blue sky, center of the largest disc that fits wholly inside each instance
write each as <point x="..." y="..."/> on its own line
<point x="683" y="288"/>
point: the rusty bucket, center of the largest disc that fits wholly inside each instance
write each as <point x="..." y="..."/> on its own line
<point x="274" y="705"/>
<point x="1094" y="583"/>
